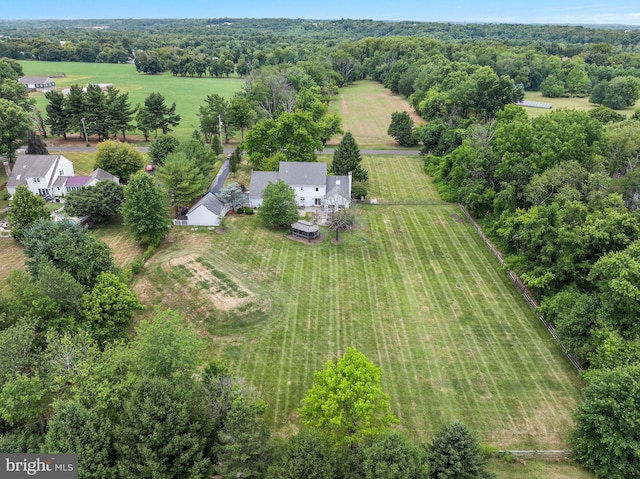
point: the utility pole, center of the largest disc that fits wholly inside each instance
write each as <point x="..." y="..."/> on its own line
<point x="84" y="129"/>
<point x="220" y="128"/>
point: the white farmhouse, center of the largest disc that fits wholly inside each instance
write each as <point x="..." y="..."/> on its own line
<point x="50" y="176"/>
<point x="312" y="186"/>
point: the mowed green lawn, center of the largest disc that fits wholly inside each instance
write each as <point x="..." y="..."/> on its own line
<point x="366" y="107"/>
<point x="188" y="93"/>
<point x="412" y="287"/>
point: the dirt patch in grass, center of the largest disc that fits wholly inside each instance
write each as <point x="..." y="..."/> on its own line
<point x="222" y="292"/>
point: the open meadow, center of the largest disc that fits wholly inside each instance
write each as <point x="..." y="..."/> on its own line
<point x="412" y="287"/>
<point x="187" y="92"/>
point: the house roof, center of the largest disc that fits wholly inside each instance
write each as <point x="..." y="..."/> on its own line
<point x="76" y="180"/>
<point x="259" y="181"/>
<point x="210" y="202"/>
<point x="302" y="173"/>
<point x="305" y="226"/>
<point x="31" y="166"/>
<point x="99" y="175"/>
<point x="34" y="80"/>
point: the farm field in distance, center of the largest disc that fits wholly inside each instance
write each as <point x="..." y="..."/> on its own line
<point x="581" y="104"/>
<point x="412" y="287"/>
<point x="187" y="92"/>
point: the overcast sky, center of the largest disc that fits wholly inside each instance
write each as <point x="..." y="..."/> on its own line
<point x="538" y="11"/>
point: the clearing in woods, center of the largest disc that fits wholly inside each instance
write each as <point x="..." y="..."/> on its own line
<point x="412" y="287"/>
<point x="366" y="107"/>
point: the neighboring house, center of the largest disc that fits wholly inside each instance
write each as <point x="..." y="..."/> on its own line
<point x="38" y="173"/>
<point x="42" y="84"/>
<point x="208" y="211"/>
<point x="103" y="87"/>
<point x="312" y="185"/>
<point x="51" y="176"/>
<point x="64" y="184"/>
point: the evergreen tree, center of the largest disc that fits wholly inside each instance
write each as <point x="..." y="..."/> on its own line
<point x="156" y="115"/>
<point x="455" y="453"/>
<point x="57" y="114"/>
<point x="163" y="431"/>
<point x="75" y="429"/>
<point x="182" y="178"/>
<point x="347" y="158"/>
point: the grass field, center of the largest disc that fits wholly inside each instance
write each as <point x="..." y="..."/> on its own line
<point x="366" y="107"/>
<point x="562" y="469"/>
<point x="580" y="104"/>
<point x="188" y="93"/>
<point x="412" y="287"/>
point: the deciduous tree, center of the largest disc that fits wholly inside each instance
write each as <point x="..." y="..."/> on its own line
<point x="145" y="209"/>
<point x="14" y="126"/>
<point x="119" y="159"/>
<point x="390" y="455"/>
<point x="607" y="434"/>
<point x="401" y="128"/>
<point x="69" y="248"/>
<point x="346" y="401"/>
<point x="108" y="308"/>
<point x="100" y="202"/>
<point x="279" y="206"/>
<point x="26" y="210"/>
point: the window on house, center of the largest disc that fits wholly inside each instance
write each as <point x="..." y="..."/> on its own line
<point x="301" y="188"/>
<point x="318" y="201"/>
<point x="316" y="189"/>
<point x="301" y="200"/>
<point x="36" y="180"/>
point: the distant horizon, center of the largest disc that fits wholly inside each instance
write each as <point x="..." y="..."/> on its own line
<point x="454" y="22"/>
<point x="596" y="13"/>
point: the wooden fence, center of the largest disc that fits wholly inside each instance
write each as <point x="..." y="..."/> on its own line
<point x="523" y="289"/>
<point x="535" y="454"/>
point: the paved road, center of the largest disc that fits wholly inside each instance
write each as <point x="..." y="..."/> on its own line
<point x="220" y="178"/>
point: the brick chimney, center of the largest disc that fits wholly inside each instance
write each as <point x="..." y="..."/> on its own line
<point x="7" y="168"/>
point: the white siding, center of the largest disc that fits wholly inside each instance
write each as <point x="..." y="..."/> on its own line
<point x="201" y="216"/>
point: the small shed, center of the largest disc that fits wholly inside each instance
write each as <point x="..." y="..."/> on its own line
<point x="305" y="230"/>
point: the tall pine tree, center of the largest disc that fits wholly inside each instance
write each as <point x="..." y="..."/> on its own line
<point x="347" y="158"/>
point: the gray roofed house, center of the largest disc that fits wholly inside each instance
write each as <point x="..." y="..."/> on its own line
<point x="51" y="175"/>
<point x="310" y="182"/>
<point x="259" y="181"/>
<point x="208" y="211"/>
<point x="38" y="173"/>
<point x="43" y="84"/>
